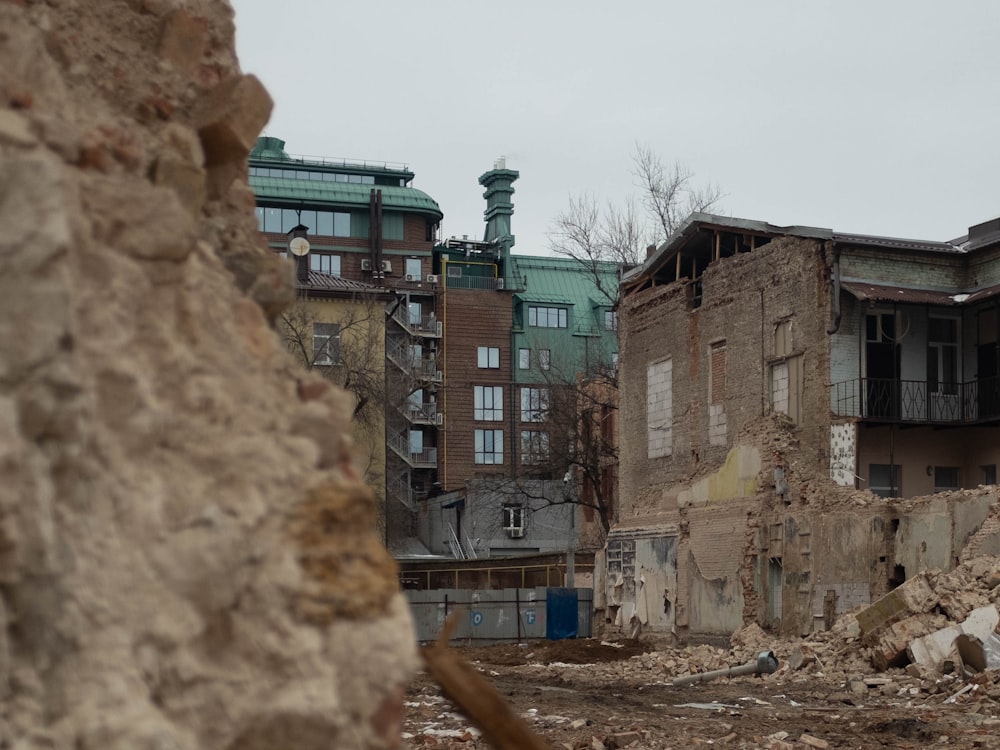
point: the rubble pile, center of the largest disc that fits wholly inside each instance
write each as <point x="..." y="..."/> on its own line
<point x="187" y="555"/>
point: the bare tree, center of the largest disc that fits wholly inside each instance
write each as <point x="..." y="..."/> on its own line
<point x="343" y="340"/>
<point x="576" y="462"/>
<point x="620" y="233"/>
<point x="349" y="352"/>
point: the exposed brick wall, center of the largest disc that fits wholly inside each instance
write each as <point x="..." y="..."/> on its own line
<point x="744" y="298"/>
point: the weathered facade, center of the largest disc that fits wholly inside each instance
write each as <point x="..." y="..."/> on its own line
<point x="768" y="374"/>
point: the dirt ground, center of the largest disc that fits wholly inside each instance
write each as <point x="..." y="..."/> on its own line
<point x="588" y="694"/>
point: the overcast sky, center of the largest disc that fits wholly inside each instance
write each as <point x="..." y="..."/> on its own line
<point x="859" y="116"/>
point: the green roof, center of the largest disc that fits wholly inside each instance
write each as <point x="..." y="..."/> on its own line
<point x="295" y="192"/>
<point x="565" y="281"/>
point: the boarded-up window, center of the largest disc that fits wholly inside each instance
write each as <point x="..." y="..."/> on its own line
<point x="717" y="373"/>
<point x="783" y="338"/>
<point x="659" y="409"/>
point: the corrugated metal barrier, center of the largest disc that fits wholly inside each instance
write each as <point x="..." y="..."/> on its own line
<point x="497" y="615"/>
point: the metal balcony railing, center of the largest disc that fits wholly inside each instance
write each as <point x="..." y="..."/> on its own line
<point x="401" y="490"/>
<point x="487" y="283"/>
<point x="422" y="459"/>
<point x="417" y="367"/>
<point x="424" y="325"/>
<point x="890" y="400"/>
<point x="426" y="413"/>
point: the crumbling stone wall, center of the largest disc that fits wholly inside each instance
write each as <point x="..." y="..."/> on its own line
<point x="744" y="297"/>
<point x="187" y="556"/>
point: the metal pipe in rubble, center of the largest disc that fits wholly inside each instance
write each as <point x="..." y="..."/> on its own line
<point x="765" y="663"/>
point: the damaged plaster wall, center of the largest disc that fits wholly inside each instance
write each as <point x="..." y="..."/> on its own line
<point x="187" y="556"/>
<point x="766" y="532"/>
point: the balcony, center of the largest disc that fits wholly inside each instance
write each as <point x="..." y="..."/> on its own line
<point x="401" y="490"/>
<point x="417" y="367"/>
<point x="423" y="459"/>
<point x="427" y="326"/>
<point x="485" y="283"/>
<point x="917" y="401"/>
<point x="425" y="413"/>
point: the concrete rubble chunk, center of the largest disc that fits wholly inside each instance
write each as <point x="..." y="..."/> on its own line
<point x="183" y="40"/>
<point x="911" y="597"/>
<point x="809" y="741"/>
<point x="233" y="114"/>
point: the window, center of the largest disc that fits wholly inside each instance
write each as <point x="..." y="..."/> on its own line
<point x="610" y="320"/>
<point x="489" y="403"/>
<point x="454" y="272"/>
<point x="488" y="357"/>
<point x="990" y="474"/>
<point x="534" y="404"/>
<point x="320" y="223"/>
<point x="945" y="478"/>
<point x="413" y="267"/>
<point x="942" y="356"/>
<point x="489" y="446"/>
<point x="534" y="447"/>
<point x="547" y="317"/>
<point x="326" y="343"/>
<point x="544" y="359"/>
<point x="513" y="517"/>
<point x="325" y="263"/>
<point x="884" y="479"/>
<point x="659" y="409"/>
<point x="524" y="359"/>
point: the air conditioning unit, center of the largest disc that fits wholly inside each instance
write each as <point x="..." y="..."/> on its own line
<point x="439" y="419"/>
<point x="439" y="329"/>
<point x="411" y="277"/>
<point x="499" y="283"/>
<point x="366" y="264"/>
<point x="386" y="266"/>
<point x="515" y="532"/>
<point x="432" y="278"/>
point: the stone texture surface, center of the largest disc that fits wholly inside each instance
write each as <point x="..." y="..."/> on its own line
<point x="186" y="555"/>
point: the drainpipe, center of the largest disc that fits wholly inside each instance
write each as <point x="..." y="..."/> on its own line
<point x="835" y="301"/>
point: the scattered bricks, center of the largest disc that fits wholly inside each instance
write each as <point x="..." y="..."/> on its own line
<point x="799" y="659"/>
<point x="912" y="597"/>
<point x="232" y="116"/>
<point x="183" y="40"/>
<point x="890" y="647"/>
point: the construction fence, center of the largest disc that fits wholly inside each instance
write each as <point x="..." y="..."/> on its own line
<point x="499" y="615"/>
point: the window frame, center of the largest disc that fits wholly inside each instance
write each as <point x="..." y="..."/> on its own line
<point x="321" y="345"/>
<point x="492" y="354"/>
<point x="487" y="452"/>
<point x="541" y="316"/>
<point x="483" y="394"/>
<point x="534" y="404"/>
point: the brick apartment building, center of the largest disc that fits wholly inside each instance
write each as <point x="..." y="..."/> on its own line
<point x="366" y="224"/>
<point x="768" y="375"/>
<point x="480" y="346"/>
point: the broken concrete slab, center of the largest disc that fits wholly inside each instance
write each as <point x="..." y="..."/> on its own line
<point x="914" y="596"/>
<point x="934" y="648"/>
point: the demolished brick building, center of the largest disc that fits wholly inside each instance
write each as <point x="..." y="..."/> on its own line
<point x="808" y="418"/>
